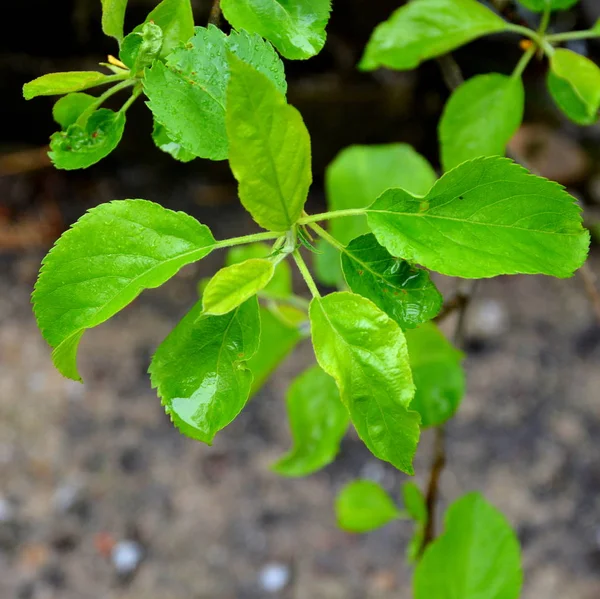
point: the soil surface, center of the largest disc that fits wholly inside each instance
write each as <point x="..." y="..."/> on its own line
<point x="101" y="498"/>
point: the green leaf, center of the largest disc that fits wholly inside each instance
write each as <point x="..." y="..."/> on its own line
<point x="477" y="557"/>
<point x="235" y="284"/>
<point x="295" y="27"/>
<point x="269" y="150"/>
<point x="437" y="372"/>
<point x="163" y="141"/>
<point x="423" y="29"/>
<point x="574" y="83"/>
<point x="416" y="507"/>
<point x="318" y="421"/>
<point x="81" y="146"/>
<point x="176" y="19"/>
<point x="327" y="265"/>
<point x="480" y="118"/>
<point x="188" y="94"/>
<point x="277" y="340"/>
<point x="360" y="174"/>
<point x="363" y="505"/>
<point x="104" y="262"/>
<point x="57" y="84"/>
<point x="139" y="49"/>
<point x="364" y="350"/>
<point x="200" y="370"/>
<point x="280" y="286"/>
<point x="484" y="218"/>
<point x="404" y="292"/>
<point x="540" y="5"/>
<point x="70" y="107"/>
<point x="113" y="17"/>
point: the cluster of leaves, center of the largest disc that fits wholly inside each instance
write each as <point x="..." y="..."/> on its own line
<point x="382" y="365"/>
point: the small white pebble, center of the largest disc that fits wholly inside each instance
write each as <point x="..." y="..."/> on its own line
<point x="373" y="470"/>
<point x="126" y="556"/>
<point x="274" y="577"/>
<point x="66" y="496"/>
<point x="489" y="319"/>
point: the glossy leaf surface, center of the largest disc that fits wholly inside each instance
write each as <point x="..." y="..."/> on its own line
<point x="295" y="27"/>
<point x="80" y="146"/>
<point x="484" y="218"/>
<point x="318" y="421"/>
<point x="103" y="262"/>
<point x="574" y="83"/>
<point x="269" y="151"/>
<point x="480" y="118"/>
<point x="363" y="505"/>
<point x="57" y="84"/>
<point x="235" y="284"/>
<point x="364" y="350"/>
<point x="403" y="292"/>
<point x="423" y="29"/>
<point x="437" y="372"/>
<point x="477" y="556"/>
<point x="200" y="370"/>
<point x="188" y="94"/>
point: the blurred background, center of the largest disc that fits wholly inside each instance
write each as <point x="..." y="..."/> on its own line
<point x="100" y="497"/>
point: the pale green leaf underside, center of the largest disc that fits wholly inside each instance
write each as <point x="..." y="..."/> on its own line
<point x="423" y="29"/>
<point x="176" y="19"/>
<point x="113" y="17"/>
<point x="484" y="218"/>
<point x="103" y="262"/>
<point x="295" y="27"/>
<point x="363" y="505"/>
<point x="401" y="290"/>
<point x="235" y="284"/>
<point x="57" y="84"/>
<point x="437" y="373"/>
<point x="480" y="118"/>
<point x="574" y="83"/>
<point x="318" y="421"/>
<point x="187" y="95"/>
<point x="364" y="350"/>
<point x="269" y="151"/>
<point x="200" y="370"/>
<point x="477" y="556"/>
<point x="416" y="507"/>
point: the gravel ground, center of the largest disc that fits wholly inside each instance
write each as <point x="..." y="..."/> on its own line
<point x="101" y="498"/>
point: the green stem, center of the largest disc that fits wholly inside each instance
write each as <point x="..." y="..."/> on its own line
<point x="134" y="96"/>
<point x="523" y="62"/>
<point x="83" y="117"/>
<point x="573" y="35"/>
<point x="313" y="218"/>
<point x="544" y="22"/>
<point x="542" y="42"/>
<point x="227" y="243"/>
<point x="330" y="239"/>
<point x="310" y="282"/>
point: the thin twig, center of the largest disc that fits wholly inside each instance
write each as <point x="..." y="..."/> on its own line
<point x="464" y="297"/>
<point x="215" y="13"/>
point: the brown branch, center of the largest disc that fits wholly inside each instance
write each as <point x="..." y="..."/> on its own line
<point x="215" y="13"/>
<point x="463" y="299"/>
